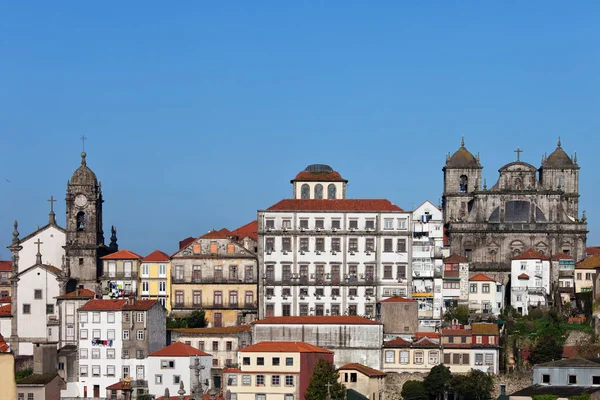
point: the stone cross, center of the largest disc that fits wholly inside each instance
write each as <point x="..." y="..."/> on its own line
<point x="518" y="151"/>
<point x="52" y="201"/>
<point x="38" y="256"/>
<point x="83" y="139"/>
<point x="328" y="390"/>
<point x="39" y="242"/>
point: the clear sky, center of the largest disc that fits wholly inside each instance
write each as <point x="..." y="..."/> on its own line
<point x="199" y="113"/>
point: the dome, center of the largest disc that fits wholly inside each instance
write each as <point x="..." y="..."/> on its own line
<point x="318" y="172"/>
<point x="318" y="168"/>
<point x="558" y="159"/>
<point x="462" y="158"/>
<point x="83" y="175"/>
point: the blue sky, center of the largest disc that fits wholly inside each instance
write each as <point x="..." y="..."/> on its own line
<point x="198" y="114"/>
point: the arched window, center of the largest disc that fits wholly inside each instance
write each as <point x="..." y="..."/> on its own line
<point x="463" y="185"/>
<point x="81" y="221"/>
<point x="305" y="191"/>
<point x="331" y="189"/>
<point x="318" y="191"/>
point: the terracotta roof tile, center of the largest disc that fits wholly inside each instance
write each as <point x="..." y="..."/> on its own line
<point x="484" y="329"/>
<point x="156" y="256"/>
<point x="324" y="176"/>
<point x="78" y="294"/>
<point x="284" y="347"/>
<point x="456" y="332"/>
<point x="425" y="342"/>
<point x="4" y="347"/>
<point x="397" y="342"/>
<point x="185" y="242"/>
<point x="363" y="369"/>
<point x="178" y="349"/>
<point x="215" y="330"/>
<point x="592" y="250"/>
<point x="6" y="310"/>
<point x="458" y="345"/>
<point x="434" y="335"/>
<point x="590" y="262"/>
<point x="121" y="385"/>
<point x="523" y="276"/>
<point x="530" y="255"/>
<point x="249" y="230"/>
<point x="215" y="235"/>
<point x="561" y="256"/>
<point x="122" y="255"/>
<point x="317" y="320"/>
<point x="481" y="277"/>
<point x="398" y="299"/>
<point x="455" y="259"/>
<point x="5" y="265"/>
<point x="373" y="205"/>
<point x="117" y="305"/>
<point x="5" y="300"/>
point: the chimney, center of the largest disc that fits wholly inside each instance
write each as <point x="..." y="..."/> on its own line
<point x="44" y="358"/>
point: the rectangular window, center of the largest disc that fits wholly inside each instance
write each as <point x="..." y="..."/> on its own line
<point x="270" y="224"/>
<point x="162" y="270"/>
<point x="215" y="345"/>
<point x="83" y="370"/>
<point x="433" y="357"/>
<point x="218" y="298"/>
<point x="158" y="379"/>
<point x="388" y="223"/>
<point x="37" y="294"/>
<point x="249" y="298"/>
<point x="110" y="354"/>
<point x="572" y="379"/>
<point x="83" y="334"/>
<point x="289" y="361"/>
<point x="388" y="272"/>
<point x="370" y="244"/>
<point x="353" y="244"/>
<point x="110" y="334"/>
<point x="401" y="272"/>
<point x="83" y="353"/>
<point x="388" y="245"/>
<point x="275" y="361"/>
<point x="26" y="308"/>
<point x="260" y="380"/>
<point x="179" y="296"/>
<point x="304" y="223"/>
<point x="140" y="335"/>
<point x="49" y="308"/>
<point x="289" y="380"/>
<point x="260" y="361"/>
<point x="126" y="334"/>
<point x="270" y="244"/>
<point x="389" y="356"/>
<point x="473" y="288"/>
<point x="335" y="224"/>
<point x="286" y="224"/>
<point x="485" y="288"/>
<point x="335" y="244"/>
<point x="197" y="298"/>
<point x="418" y="357"/>
<point x="232" y="380"/>
<point x="545" y="378"/>
<point x="478" y="359"/>
<point x="402" y="223"/>
<point x="303" y="244"/>
<point x="370" y="224"/>
<point x="595" y="380"/>
<point x="353" y="224"/>
<point x="286" y="310"/>
<point x="286" y="244"/>
<point x="401" y="245"/>
<point x="96" y="334"/>
<point x="275" y="380"/>
<point x="404" y="356"/>
<point x="110" y="370"/>
<point x="95" y="370"/>
<point x="246" y="380"/>
<point x="320" y="244"/>
<point x="489" y="359"/>
<point x="319" y="223"/>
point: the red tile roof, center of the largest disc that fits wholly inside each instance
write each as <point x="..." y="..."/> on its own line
<point x="215" y="235"/>
<point x="284" y="347"/>
<point x="317" y="320"/>
<point x="5" y="300"/>
<point x="433" y="335"/>
<point x="397" y="342"/>
<point x="6" y="310"/>
<point x="249" y="230"/>
<point x="326" y="176"/>
<point x="156" y="256"/>
<point x="224" y="330"/>
<point x="530" y="255"/>
<point x="183" y="243"/>
<point x="5" y="265"/>
<point x="117" y="305"/>
<point x="523" y="276"/>
<point x="456" y="332"/>
<point x="425" y="342"/>
<point x="78" y="294"/>
<point x="593" y="250"/>
<point x="373" y="205"/>
<point x="590" y="262"/>
<point x="363" y="369"/>
<point x="4" y="347"/>
<point x="484" y="329"/>
<point x="178" y="349"/>
<point x="121" y="385"/>
<point x="122" y="255"/>
<point x="481" y="277"/>
<point x="398" y="299"/>
<point x="455" y="259"/>
<point x="561" y="256"/>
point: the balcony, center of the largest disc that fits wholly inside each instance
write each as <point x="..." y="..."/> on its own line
<point x="228" y="306"/>
<point x="566" y="273"/>
<point x="324" y="279"/>
<point x="53" y="320"/>
<point x="120" y="276"/>
<point x="201" y="280"/>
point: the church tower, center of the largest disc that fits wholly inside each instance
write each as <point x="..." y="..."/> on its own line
<point x="85" y="238"/>
<point x="462" y="177"/>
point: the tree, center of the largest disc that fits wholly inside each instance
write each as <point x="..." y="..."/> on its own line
<point x="196" y="319"/>
<point x="324" y="373"/>
<point x="460" y="313"/>
<point x="413" y="390"/>
<point x="173" y="323"/>
<point x="436" y="383"/>
<point x="476" y="385"/>
<point x="548" y="348"/>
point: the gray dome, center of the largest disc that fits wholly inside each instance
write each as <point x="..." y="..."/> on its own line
<point x="558" y="158"/>
<point x="83" y="175"/>
<point x="318" y="168"/>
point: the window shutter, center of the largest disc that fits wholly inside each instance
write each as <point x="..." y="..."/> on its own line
<point x="465" y="358"/>
<point x="447" y="358"/>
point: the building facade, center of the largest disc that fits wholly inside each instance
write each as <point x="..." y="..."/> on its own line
<point x="155" y="278"/>
<point x="486" y="296"/>
<point x="119" y="279"/>
<point x="530" y="281"/>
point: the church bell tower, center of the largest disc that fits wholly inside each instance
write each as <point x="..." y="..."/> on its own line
<point x="84" y="228"/>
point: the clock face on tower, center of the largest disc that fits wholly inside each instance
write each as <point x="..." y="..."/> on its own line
<point x="80" y="200"/>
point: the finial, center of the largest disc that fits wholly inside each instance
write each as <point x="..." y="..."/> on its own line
<point x="52" y="216"/>
<point x="181" y="391"/>
<point x="575" y="158"/>
<point x="167" y="394"/>
<point x="113" y="238"/>
<point x="16" y="233"/>
<point x="448" y="156"/>
<point x="83" y="163"/>
<point x="558" y="144"/>
<point x="462" y="141"/>
<point x="583" y="217"/>
<point x="478" y="157"/>
<point x="484" y="184"/>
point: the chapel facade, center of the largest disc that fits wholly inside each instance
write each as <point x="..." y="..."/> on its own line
<point x="527" y="207"/>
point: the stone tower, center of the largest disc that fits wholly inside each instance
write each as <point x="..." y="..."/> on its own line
<point x="84" y="228"/>
<point x="462" y="177"/>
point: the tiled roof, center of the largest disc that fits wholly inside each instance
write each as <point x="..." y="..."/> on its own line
<point x="433" y="335"/>
<point x="523" y="276"/>
<point x="122" y="255"/>
<point x="121" y="385"/>
<point x="178" y="349"/>
<point x="4" y="347"/>
<point x="317" y="320"/>
<point x="373" y="205"/>
<point x="117" y="305"/>
<point x="398" y="299"/>
<point x="5" y="265"/>
<point x="183" y="243"/>
<point x="572" y="363"/>
<point x="5" y="300"/>
<point x="592" y="250"/>
<point x="284" y="347"/>
<point x="78" y="294"/>
<point x="555" y="391"/>
<point x="325" y="176"/>
<point x="397" y="342"/>
<point x="363" y="369"/>
<point x="215" y="235"/>
<point x="215" y="330"/>
<point x="455" y="259"/>
<point x="425" y="342"/>
<point x="590" y="262"/>
<point x="462" y="158"/>
<point x="561" y="256"/>
<point x="6" y="310"/>
<point x="481" y="277"/>
<point x="156" y="256"/>
<point x="530" y="255"/>
<point x="37" y="379"/>
<point x="232" y="370"/>
<point x="484" y="329"/>
<point x="456" y="332"/>
<point x="49" y="268"/>
<point x="249" y="230"/>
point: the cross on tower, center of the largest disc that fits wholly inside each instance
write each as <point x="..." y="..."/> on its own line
<point x="518" y="151"/>
<point x="39" y="242"/>
<point x="83" y="139"/>
<point x="52" y="201"/>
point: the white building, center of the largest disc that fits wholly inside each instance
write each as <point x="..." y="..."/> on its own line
<point x="485" y="295"/>
<point x="52" y="239"/>
<point x="331" y="256"/>
<point x="530" y="280"/>
<point x="171" y="365"/>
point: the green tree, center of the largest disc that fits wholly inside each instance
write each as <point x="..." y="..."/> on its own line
<point x="173" y="323"/>
<point x="196" y="319"/>
<point x="413" y="390"/>
<point x="476" y="385"/>
<point x="460" y="313"/>
<point x="547" y="348"/>
<point x="437" y="382"/>
<point x="324" y="373"/>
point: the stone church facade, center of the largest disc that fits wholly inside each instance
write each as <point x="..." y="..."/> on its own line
<point x="528" y="207"/>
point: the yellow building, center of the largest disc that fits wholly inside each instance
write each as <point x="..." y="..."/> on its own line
<point x="367" y="381"/>
<point x="217" y="274"/>
<point x="155" y="278"/>
<point x="421" y="355"/>
<point x="7" y="372"/>
<point x="585" y="271"/>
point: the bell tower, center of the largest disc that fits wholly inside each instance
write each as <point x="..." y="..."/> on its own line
<point x="84" y="228"/>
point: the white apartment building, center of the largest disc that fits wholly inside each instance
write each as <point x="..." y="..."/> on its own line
<point x="530" y="280"/>
<point x="486" y="296"/>
<point x="323" y="254"/>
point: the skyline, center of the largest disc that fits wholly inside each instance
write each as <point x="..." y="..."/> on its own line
<point x="199" y="114"/>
